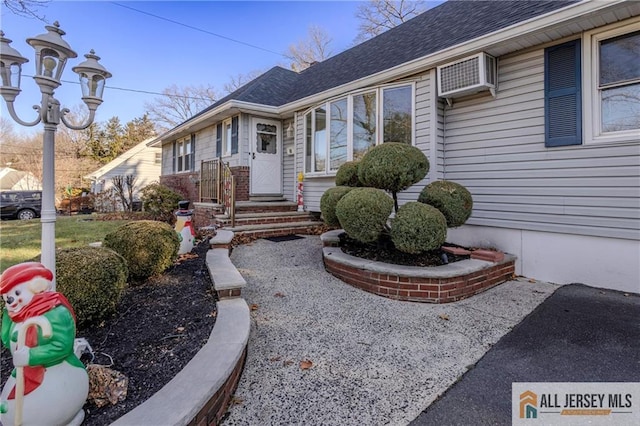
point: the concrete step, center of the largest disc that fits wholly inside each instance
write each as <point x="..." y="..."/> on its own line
<point x="275" y="229"/>
<point x="265" y="206"/>
<point x="265" y="218"/>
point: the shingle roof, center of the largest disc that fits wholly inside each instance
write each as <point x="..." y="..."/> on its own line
<point x="271" y="88"/>
<point x="444" y="26"/>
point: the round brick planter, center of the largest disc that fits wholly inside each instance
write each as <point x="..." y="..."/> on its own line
<point x="438" y="284"/>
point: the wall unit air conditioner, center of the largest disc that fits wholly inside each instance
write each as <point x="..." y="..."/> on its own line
<point x="468" y="75"/>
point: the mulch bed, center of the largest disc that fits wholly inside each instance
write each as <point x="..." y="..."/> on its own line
<point x="385" y="251"/>
<point x="159" y="327"/>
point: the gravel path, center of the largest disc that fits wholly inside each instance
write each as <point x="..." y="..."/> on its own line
<point x="375" y="361"/>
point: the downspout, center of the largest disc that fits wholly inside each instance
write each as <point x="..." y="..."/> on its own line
<point x="433" y="134"/>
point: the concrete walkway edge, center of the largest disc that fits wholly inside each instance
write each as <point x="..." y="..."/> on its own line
<point x="190" y="393"/>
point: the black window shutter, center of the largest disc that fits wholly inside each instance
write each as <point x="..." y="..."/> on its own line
<point x="562" y="95"/>
<point x="193" y="152"/>
<point x="219" y="140"/>
<point x="174" y="159"/>
<point x="234" y="135"/>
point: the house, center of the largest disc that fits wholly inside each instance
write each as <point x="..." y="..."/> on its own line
<point x="141" y="161"/>
<point x="16" y="180"/>
<point x="533" y="106"/>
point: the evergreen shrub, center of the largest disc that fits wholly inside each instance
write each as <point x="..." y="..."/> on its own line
<point x="148" y="246"/>
<point x="451" y="198"/>
<point x="393" y="167"/>
<point x="93" y="279"/>
<point x="328" y="203"/>
<point x="418" y="228"/>
<point x="363" y="213"/>
<point x="347" y="174"/>
<point x="160" y="202"/>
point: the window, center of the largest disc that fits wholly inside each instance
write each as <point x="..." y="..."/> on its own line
<point x="612" y="84"/>
<point x="158" y="158"/>
<point x="183" y="154"/>
<point x="346" y="128"/>
<point x="227" y="137"/>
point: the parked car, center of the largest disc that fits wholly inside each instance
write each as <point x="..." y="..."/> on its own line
<point x="20" y="204"/>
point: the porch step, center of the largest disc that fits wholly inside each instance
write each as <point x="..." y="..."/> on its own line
<point x="266" y="198"/>
<point x="275" y="229"/>
<point x="264" y="218"/>
<point x="265" y="206"/>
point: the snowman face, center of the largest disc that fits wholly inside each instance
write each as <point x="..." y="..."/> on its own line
<point x="18" y="297"/>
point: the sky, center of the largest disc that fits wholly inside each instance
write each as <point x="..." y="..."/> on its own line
<point x="149" y="53"/>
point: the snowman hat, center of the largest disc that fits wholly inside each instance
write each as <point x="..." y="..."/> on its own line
<point x="21" y="273"/>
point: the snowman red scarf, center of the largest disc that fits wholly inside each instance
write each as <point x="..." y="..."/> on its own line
<point x="40" y="304"/>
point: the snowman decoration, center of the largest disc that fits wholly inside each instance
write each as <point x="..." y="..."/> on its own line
<point x="184" y="227"/>
<point x="49" y="384"/>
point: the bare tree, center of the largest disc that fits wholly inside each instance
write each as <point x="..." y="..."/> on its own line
<point x="123" y="186"/>
<point x="27" y="8"/>
<point x="178" y="104"/>
<point x="315" y="48"/>
<point x="378" y="16"/>
<point x="237" y="81"/>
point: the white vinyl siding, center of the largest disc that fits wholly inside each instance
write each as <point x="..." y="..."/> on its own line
<point x="495" y="147"/>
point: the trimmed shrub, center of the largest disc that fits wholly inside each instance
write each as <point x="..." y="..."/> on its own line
<point x="418" y="227"/>
<point x="451" y="198"/>
<point x="93" y="279"/>
<point x="363" y="213"/>
<point x="347" y="174"/>
<point x="329" y="201"/>
<point x="160" y="202"/>
<point x="148" y="246"/>
<point x="393" y="167"/>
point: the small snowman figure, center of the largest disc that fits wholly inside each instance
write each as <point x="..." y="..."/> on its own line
<point x="184" y="227"/>
<point x="49" y="384"/>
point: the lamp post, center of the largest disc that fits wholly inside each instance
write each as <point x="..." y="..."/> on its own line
<point x="51" y="54"/>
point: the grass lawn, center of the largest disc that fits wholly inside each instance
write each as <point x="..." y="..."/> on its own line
<point x="20" y="239"/>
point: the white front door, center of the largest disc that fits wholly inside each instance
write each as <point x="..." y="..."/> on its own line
<point x="266" y="157"/>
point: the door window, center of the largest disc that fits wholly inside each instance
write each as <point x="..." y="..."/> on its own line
<point x="266" y="139"/>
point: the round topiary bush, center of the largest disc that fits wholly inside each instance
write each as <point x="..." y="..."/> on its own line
<point x="451" y="198"/>
<point x="328" y="203"/>
<point x="93" y="279"/>
<point x="393" y="167"/>
<point x="160" y="202"/>
<point x="347" y="174"/>
<point x="418" y="227"/>
<point x="148" y="246"/>
<point x="363" y="213"/>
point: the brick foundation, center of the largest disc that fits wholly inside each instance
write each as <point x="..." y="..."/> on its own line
<point x="184" y="184"/>
<point x="241" y="173"/>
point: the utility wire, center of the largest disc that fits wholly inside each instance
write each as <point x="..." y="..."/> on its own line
<point x="137" y="90"/>
<point x="201" y="30"/>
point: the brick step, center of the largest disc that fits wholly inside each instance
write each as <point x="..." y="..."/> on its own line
<point x="275" y="229"/>
<point x="265" y="206"/>
<point x="264" y="218"/>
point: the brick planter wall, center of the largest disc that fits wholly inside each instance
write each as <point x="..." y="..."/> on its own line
<point x="214" y="409"/>
<point x="418" y="284"/>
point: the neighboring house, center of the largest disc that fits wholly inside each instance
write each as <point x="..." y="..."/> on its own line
<point x="534" y="106"/>
<point x="16" y="180"/>
<point x="141" y="161"/>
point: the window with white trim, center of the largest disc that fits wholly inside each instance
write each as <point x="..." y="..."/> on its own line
<point x="183" y="154"/>
<point x="612" y="84"/>
<point x="344" y="129"/>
